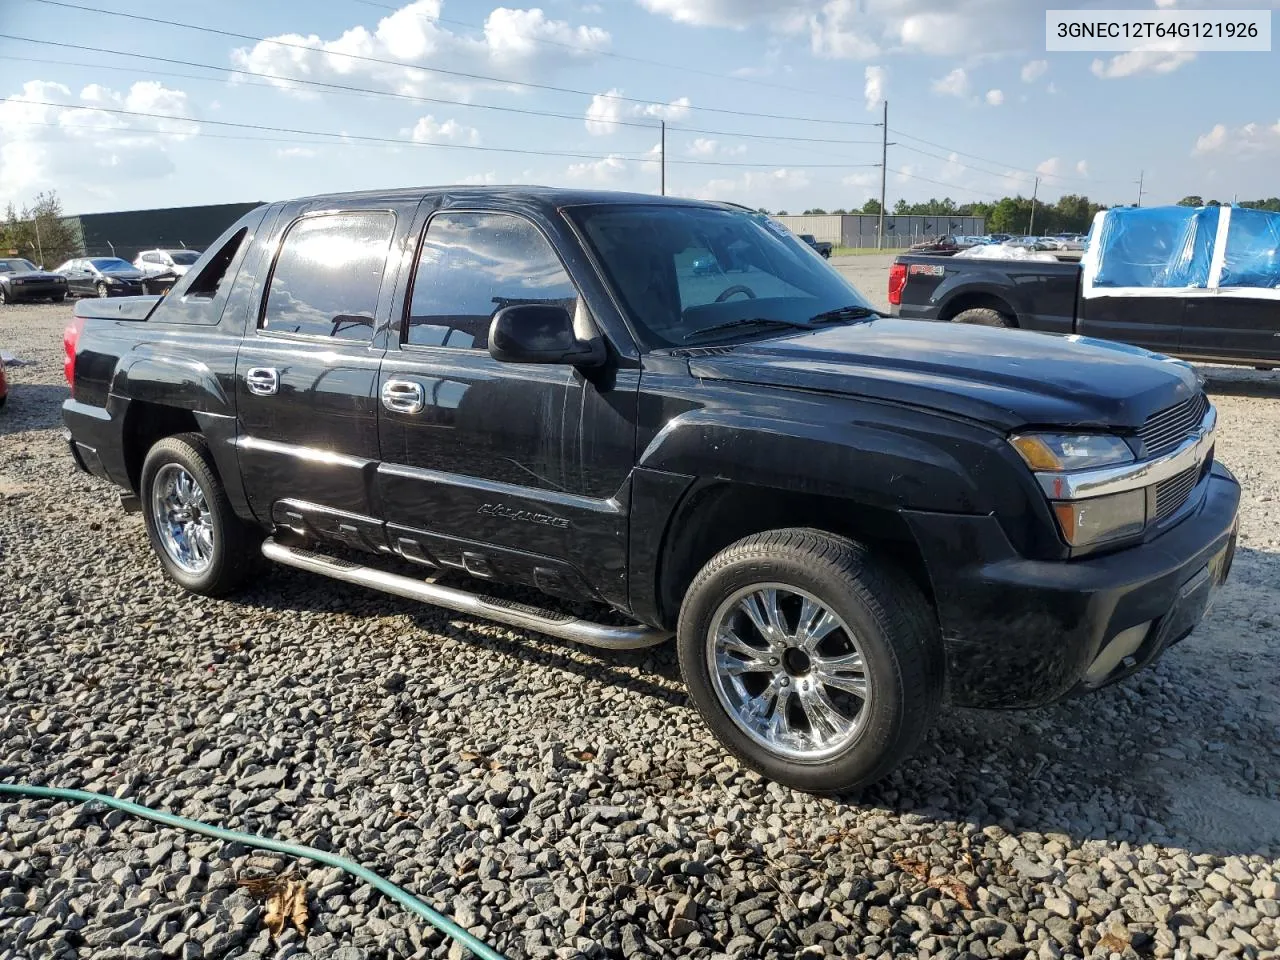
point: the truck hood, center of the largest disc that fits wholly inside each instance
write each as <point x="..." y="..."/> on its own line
<point x="1006" y="378"/>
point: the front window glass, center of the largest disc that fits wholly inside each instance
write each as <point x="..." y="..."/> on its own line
<point x="681" y="270"/>
<point x="16" y="266"/>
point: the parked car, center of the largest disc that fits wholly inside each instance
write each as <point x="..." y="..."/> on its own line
<point x="839" y="515"/>
<point x="102" y="277"/>
<point x="161" y="262"/>
<point x="4" y="385"/>
<point x="23" y="280"/>
<point x="999" y="237"/>
<point x="822" y="246"/>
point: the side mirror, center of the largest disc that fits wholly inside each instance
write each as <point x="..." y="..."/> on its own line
<point x="540" y="333"/>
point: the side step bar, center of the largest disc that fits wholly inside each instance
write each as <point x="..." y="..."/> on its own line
<point x="608" y="637"/>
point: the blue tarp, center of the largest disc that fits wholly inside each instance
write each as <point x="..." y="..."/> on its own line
<point x="1252" y="257"/>
<point x="1156" y="247"/>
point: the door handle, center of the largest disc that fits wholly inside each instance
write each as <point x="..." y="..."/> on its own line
<point x="403" y="396"/>
<point x="262" y="381"/>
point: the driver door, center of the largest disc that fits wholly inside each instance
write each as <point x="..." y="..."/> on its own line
<point x="515" y="472"/>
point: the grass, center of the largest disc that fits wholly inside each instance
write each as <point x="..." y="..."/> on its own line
<point x="865" y="251"/>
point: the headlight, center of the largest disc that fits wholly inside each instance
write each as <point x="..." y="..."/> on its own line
<point x="1071" y="451"/>
<point x="1101" y="519"/>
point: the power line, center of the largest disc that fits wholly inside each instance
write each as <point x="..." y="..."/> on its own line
<point x="440" y="70"/>
<point x="943" y="183"/>
<point x="622" y="56"/>
<point x="1029" y="174"/>
<point x="342" y="88"/>
<point x="420" y="143"/>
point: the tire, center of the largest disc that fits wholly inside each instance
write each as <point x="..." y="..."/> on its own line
<point x="883" y="617"/>
<point x="232" y="545"/>
<point x="4" y="295"/>
<point x="58" y="297"/>
<point x="102" y="290"/>
<point x="1264" y="369"/>
<point x="983" y="317"/>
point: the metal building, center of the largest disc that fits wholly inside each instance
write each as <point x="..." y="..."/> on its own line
<point x="861" y="229"/>
<point x="125" y="234"/>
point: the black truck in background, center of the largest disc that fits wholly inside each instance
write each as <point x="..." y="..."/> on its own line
<point x="673" y="413"/>
<point x="1045" y="296"/>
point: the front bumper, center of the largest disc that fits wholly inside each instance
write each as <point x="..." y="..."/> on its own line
<point x="1020" y="633"/>
<point x="43" y="290"/>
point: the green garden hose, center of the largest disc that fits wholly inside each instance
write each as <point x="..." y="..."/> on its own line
<point x="386" y="887"/>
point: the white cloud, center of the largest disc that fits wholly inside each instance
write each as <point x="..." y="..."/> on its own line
<point x="1052" y="88"/>
<point x="713" y="13"/>
<point x="1140" y="61"/>
<point x="837" y="31"/>
<point x="1034" y="70"/>
<point x="1082" y="168"/>
<point x="605" y="170"/>
<point x="510" y="45"/>
<point x="995" y="97"/>
<point x="70" y="142"/>
<point x="1251" y="139"/>
<point x="952" y="169"/>
<point x="1050" y="168"/>
<point x="874" y="87"/>
<point x="607" y="111"/>
<point x="295" y="153"/>
<point x="479" y="179"/>
<point x="756" y="188"/>
<point x="702" y="147"/>
<point x="954" y="84"/>
<point x="430" y="130"/>
<point x="864" y="180"/>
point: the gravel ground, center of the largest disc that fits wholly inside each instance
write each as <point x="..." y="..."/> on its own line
<point x="562" y="803"/>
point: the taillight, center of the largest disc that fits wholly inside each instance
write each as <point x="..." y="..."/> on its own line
<point x="70" y="338"/>
<point x="897" y="280"/>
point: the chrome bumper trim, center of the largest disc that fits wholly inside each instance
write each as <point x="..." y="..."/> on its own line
<point x="1081" y="484"/>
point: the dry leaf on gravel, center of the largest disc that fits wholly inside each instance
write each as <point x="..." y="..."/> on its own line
<point x="917" y="868"/>
<point x="956" y="890"/>
<point x="286" y="903"/>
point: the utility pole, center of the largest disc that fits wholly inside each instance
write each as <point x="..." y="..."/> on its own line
<point x="1031" y="227"/>
<point x="662" y="150"/>
<point x="35" y="222"/>
<point x="1141" y="174"/>
<point x="884" y="169"/>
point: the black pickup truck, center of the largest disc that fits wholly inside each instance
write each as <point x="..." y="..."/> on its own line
<point x="1046" y="296"/>
<point x="843" y="518"/>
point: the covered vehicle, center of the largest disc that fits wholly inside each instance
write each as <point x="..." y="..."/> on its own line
<point x="1197" y="283"/>
<point x="103" y="277"/>
<point x="22" y="280"/>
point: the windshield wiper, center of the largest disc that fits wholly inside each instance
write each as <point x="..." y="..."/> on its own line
<point x="749" y="322"/>
<point x="845" y="313"/>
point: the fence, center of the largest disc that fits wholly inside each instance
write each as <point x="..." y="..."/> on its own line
<point x="862" y="229"/>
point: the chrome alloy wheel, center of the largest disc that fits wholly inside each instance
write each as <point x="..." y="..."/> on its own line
<point x="182" y="518"/>
<point x="789" y="672"/>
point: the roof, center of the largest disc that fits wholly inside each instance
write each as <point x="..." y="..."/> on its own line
<point x="555" y="196"/>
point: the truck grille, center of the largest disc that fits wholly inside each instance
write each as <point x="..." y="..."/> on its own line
<point x="1172" y="493"/>
<point x="1163" y="431"/>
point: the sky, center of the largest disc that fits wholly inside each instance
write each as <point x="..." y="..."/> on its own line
<point x="772" y="103"/>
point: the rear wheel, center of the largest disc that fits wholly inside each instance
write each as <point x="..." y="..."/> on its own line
<point x="983" y="317"/>
<point x="59" y="297"/>
<point x="810" y="660"/>
<point x="200" y="541"/>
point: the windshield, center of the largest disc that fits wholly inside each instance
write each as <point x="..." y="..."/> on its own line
<point x="16" y="266"/>
<point x="184" y="258"/>
<point x="111" y="264"/>
<point x="681" y="270"/>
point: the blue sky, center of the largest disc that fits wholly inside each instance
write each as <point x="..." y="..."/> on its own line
<point x="965" y="79"/>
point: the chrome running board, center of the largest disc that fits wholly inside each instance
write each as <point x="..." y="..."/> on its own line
<point x="631" y="637"/>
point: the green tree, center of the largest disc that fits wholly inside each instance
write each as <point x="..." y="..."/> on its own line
<point x="1191" y="200"/>
<point x="872" y="206"/>
<point x="815" y="212"/>
<point x="41" y="232"/>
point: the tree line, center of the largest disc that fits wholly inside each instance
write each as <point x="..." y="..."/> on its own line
<point x="40" y="233"/>
<point x="1070" y="213"/>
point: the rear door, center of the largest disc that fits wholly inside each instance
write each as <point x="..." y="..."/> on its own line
<point x="1151" y="322"/>
<point x="519" y="472"/>
<point x="307" y="371"/>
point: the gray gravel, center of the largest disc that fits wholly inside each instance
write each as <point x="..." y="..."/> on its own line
<point x="560" y="803"/>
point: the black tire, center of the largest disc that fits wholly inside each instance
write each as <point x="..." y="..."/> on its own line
<point x="102" y="289"/>
<point x="4" y="294"/>
<point x="1264" y="368"/>
<point x="983" y="317"/>
<point x="896" y="631"/>
<point x="58" y="297"/>
<point x="236" y="544"/>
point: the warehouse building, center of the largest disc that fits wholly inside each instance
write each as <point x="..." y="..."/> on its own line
<point x="862" y="229"/>
<point x="125" y="234"/>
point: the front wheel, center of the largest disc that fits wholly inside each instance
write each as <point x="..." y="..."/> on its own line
<point x="4" y="295"/>
<point x="200" y="541"/>
<point x="102" y="289"/>
<point x="810" y="660"/>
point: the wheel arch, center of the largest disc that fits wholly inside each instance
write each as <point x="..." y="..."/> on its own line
<point x="713" y="515"/>
<point x="978" y="300"/>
